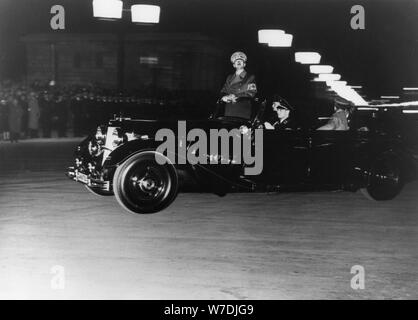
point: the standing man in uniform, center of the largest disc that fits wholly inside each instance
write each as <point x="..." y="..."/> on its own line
<point x="46" y="107"/>
<point x="34" y="114"/>
<point x="239" y="88"/>
<point x="15" y="118"/>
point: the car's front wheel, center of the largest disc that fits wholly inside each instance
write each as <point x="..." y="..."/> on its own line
<point x="385" y="180"/>
<point x="141" y="185"/>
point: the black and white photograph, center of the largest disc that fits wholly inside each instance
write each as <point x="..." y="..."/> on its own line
<point x="203" y="150"/>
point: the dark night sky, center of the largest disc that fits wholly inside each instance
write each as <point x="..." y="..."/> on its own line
<point x="382" y="58"/>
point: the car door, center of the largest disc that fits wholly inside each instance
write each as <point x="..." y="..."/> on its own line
<point x="329" y="157"/>
<point x="285" y="156"/>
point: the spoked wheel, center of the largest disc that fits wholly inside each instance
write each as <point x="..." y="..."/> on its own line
<point x="385" y="181"/>
<point x="99" y="192"/>
<point x="141" y="185"/>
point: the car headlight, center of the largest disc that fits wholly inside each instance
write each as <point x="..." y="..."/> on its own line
<point x="100" y="135"/>
<point x="244" y="129"/>
<point x="94" y="148"/>
<point x="118" y="138"/>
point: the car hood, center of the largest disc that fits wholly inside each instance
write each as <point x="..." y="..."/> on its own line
<point x="142" y="126"/>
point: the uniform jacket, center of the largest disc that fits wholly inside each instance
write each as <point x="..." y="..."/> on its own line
<point x="34" y="113"/>
<point x="4" y="118"/>
<point x="15" y="117"/>
<point x="339" y="121"/>
<point x="287" y="124"/>
<point x="242" y="86"/>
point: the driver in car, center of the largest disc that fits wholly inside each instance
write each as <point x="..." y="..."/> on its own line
<point x="239" y="88"/>
<point x="281" y="119"/>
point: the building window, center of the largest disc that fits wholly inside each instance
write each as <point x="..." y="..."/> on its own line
<point x="99" y="60"/>
<point x="77" y="60"/>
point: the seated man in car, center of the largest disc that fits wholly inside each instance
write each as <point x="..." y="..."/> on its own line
<point x="282" y="116"/>
<point x="339" y="120"/>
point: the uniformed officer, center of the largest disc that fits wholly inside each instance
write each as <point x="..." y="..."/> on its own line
<point x="339" y="120"/>
<point x="282" y="118"/>
<point x="239" y="88"/>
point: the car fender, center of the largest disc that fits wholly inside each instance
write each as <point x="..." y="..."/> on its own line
<point x="395" y="153"/>
<point x="125" y="151"/>
<point x="202" y="175"/>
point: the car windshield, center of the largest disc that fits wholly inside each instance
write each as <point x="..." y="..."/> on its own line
<point x="259" y="113"/>
<point x="237" y="111"/>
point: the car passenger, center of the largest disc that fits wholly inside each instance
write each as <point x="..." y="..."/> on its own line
<point x="339" y="120"/>
<point x="239" y="88"/>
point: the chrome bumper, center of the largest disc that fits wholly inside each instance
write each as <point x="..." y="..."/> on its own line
<point x="76" y="175"/>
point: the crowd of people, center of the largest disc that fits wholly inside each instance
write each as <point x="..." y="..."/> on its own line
<point x="42" y="110"/>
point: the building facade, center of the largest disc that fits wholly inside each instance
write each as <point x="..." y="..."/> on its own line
<point x="131" y="61"/>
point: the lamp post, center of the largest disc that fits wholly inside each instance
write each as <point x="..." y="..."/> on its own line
<point x="308" y="57"/>
<point x="273" y="41"/>
<point x="112" y="10"/>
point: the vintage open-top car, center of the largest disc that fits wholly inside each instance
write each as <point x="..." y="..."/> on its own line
<point x="121" y="159"/>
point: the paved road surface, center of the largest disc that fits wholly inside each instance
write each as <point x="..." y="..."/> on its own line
<point x="242" y="246"/>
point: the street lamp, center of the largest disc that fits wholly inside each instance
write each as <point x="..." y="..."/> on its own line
<point x="268" y="35"/>
<point x="107" y="9"/>
<point x="112" y="10"/>
<point x="274" y="38"/>
<point x="348" y="93"/>
<point x="143" y="13"/>
<point x="328" y="77"/>
<point x="283" y="40"/>
<point x="321" y="69"/>
<point x="307" y="57"/>
<point x="336" y="83"/>
<point x="389" y="97"/>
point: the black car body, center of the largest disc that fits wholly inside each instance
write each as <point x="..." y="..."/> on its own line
<point x="120" y="159"/>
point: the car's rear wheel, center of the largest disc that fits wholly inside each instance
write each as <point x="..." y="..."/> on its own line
<point x="99" y="192"/>
<point x="141" y="185"/>
<point x="385" y="181"/>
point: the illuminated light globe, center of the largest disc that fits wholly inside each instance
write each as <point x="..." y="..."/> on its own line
<point x="268" y="35"/>
<point x="307" y="57"/>
<point x="329" y="77"/>
<point x="283" y="40"/>
<point x="389" y="97"/>
<point x="317" y="69"/>
<point x="348" y="93"/>
<point x="337" y="84"/>
<point x="144" y="13"/>
<point x="107" y="9"/>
